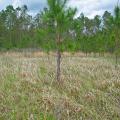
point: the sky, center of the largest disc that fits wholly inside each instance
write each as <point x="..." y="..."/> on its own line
<point x="89" y="7"/>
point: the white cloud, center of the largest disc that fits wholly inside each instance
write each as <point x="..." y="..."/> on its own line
<point x="89" y="7"/>
<point x="16" y="3"/>
<point x="92" y="7"/>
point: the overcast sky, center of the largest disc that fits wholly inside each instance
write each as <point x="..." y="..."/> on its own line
<point x="89" y="7"/>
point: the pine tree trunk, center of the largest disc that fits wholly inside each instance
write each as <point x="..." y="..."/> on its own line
<point x="116" y="54"/>
<point x="58" y="65"/>
<point x="116" y="61"/>
<point x="58" y="74"/>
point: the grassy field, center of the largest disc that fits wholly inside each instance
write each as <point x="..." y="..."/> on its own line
<point x="90" y="88"/>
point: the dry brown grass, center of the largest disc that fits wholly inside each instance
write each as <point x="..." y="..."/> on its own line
<point x="90" y="89"/>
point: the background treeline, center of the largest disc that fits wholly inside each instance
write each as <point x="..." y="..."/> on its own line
<point x="20" y="30"/>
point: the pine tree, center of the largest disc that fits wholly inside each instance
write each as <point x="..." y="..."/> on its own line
<point x="58" y="19"/>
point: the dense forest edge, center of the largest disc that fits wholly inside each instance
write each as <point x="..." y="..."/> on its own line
<point x="19" y="30"/>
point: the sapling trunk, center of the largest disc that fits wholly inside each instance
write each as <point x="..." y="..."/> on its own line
<point x="116" y="52"/>
<point x="58" y="65"/>
<point x="58" y="74"/>
<point x="116" y="61"/>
